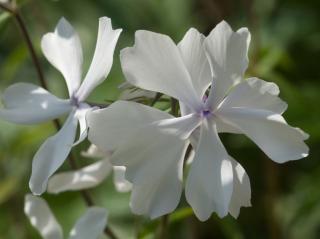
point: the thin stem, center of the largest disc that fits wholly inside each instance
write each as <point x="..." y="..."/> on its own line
<point x="6" y="7"/>
<point x="13" y="10"/>
<point x="156" y="98"/>
<point x="174" y="107"/>
<point x="164" y="226"/>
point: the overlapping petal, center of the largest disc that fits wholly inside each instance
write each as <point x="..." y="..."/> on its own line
<point x="41" y="217"/>
<point x="241" y="195"/>
<point x="63" y="50"/>
<point x="270" y="132"/>
<point x="81" y="116"/>
<point x="154" y="162"/>
<point x="155" y="63"/>
<point x="102" y="59"/>
<point x="30" y="104"/>
<point x="109" y="127"/>
<point x="84" y="178"/>
<point x="52" y="154"/>
<point x="194" y="57"/>
<point x="119" y="179"/>
<point x="90" y="225"/>
<point x="209" y="184"/>
<point x="228" y="56"/>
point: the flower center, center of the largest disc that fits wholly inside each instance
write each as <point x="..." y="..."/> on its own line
<point x="75" y="102"/>
<point x="206" y="113"/>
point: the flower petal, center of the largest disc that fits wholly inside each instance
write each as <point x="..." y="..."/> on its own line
<point x="241" y="195"/>
<point x="155" y="63"/>
<point x="90" y="225"/>
<point x="41" y="217"/>
<point x="63" y="50"/>
<point x="86" y="177"/>
<point x="120" y="182"/>
<point x="81" y="116"/>
<point x="30" y="104"/>
<point x="154" y="161"/>
<point x="194" y="57"/>
<point x="210" y="181"/>
<point x="52" y="154"/>
<point x="103" y="58"/>
<point x="256" y="94"/>
<point x="228" y="56"/>
<point x="110" y="126"/>
<point x="94" y="152"/>
<point x="269" y="131"/>
<point x="181" y="126"/>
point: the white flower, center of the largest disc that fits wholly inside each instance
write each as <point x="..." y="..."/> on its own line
<point x="91" y="175"/>
<point x="90" y="225"/>
<point x="29" y="104"/>
<point x="151" y="144"/>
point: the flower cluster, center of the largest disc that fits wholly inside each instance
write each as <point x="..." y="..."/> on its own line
<point x="144" y="146"/>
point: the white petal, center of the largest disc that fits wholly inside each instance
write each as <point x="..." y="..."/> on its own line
<point x="51" y="155"/>
<point x="194" y="57"/>
<point x="210" y="181"/>
<point x="94" y="152"/>
<point x="63" y="50"/>
<point x="90" y="225"/>
<point x="154" y="162"/>
<point x="181" y="126"/>
<point x="110" y="126"/>
<point x="155" y="63"/>
<point x="228" y="55"/>
<point x="225" y="127"/>
<point x="270" y="132"/>
<point x="241" y="195"/>
<point x="103" y="58"/>
<point x="81" y="116"/>
<point x="184" y="109"/>
<point x="30" y="104"/>
<point x="41" y="217"/>
<point x="256" y="94"/>
<point x="120" y="182"/>
<point x="86" y="177"/>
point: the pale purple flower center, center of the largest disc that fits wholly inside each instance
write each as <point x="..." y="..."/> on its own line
<point x="206" y="113"/>
<point x="75" y="102"/>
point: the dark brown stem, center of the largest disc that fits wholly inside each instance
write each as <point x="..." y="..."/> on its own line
<point x="156" y="98"/>
<point x="164" y="222"/>
<point x="174" y="107"/>
<point x="13" y="10"/>
<point x="110" y="233"/>
<point x="16" y="14"/>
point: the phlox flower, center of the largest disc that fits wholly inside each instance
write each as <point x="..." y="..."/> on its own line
<point x="89" y="225"/>
<point x="30" y="104"/>
<point x="152" y="144"/>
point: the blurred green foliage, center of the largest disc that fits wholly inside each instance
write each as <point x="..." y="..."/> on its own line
<point x="285" y="49"/>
